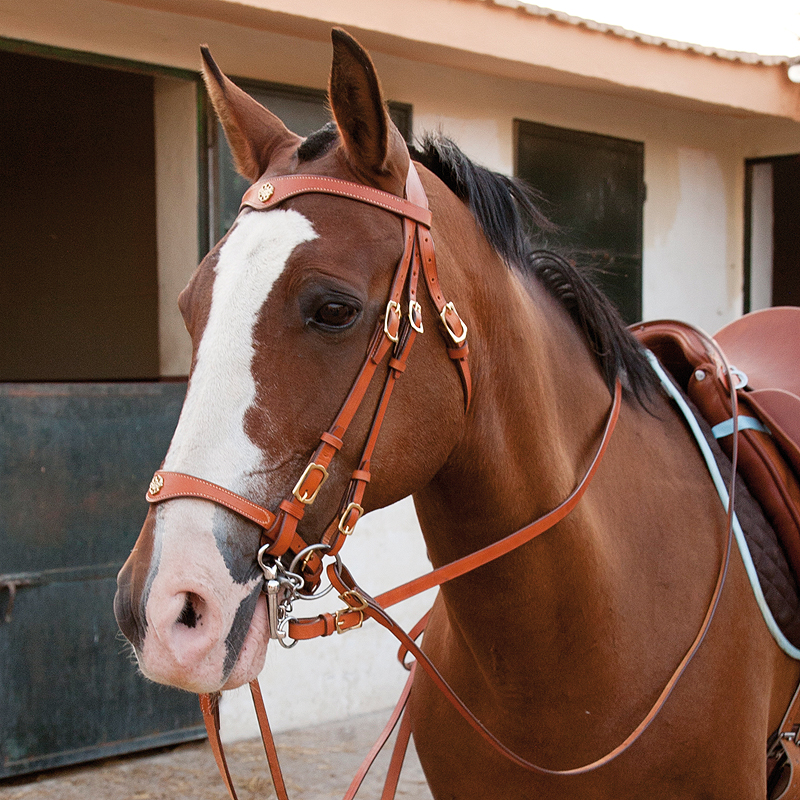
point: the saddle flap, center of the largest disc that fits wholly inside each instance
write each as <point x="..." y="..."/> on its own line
<point x="768" y="462"/>
<point x="780" y="411"/>
<point x="764" y="345"/>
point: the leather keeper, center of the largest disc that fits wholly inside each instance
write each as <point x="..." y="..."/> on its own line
<point x="333" y="441"/>
<point x="397" y="365"/>
<point x="457" y="353"/>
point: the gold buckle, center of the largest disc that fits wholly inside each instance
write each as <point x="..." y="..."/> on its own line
<point x="362" y="605"/>
<point x="305" y="498"/>
<point x="415" y="316"/>
<point x="352" y="507"/>
<point x="457" y="338"/>
<point x="393" y="306"/>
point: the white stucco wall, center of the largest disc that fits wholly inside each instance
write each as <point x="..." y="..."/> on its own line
<point x="692" y="256"/>
<point x="175" y="104"/>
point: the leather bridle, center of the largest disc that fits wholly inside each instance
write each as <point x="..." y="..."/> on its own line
<point x="394" y="336"/>
<point x="280" y="542"/>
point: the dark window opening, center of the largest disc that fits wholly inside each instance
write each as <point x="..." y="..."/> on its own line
<point x="77" y="222"/>
<point x="594" y="188"/>
<point x="772" y="230"/>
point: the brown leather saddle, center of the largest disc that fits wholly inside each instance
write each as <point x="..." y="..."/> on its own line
<point x="763" y="350"/>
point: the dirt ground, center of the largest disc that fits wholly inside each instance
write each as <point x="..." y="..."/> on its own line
<point x="318" y="764"/>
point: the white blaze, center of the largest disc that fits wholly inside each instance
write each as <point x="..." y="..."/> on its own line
<point x="210" y="442"/>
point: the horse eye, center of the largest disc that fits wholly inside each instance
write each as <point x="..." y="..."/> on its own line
<point x="335" y="315"/>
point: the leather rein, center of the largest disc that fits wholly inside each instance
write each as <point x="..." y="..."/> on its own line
<point x="281" y="544"/>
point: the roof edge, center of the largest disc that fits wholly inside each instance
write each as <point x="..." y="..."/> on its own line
<point x="644" y="38"/>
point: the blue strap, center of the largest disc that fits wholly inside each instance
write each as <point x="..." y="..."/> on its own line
<point x="780" y="638"/>
<point x="745" y="423"/>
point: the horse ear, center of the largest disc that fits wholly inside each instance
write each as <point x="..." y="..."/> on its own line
<point x="255" y="135"/>
<point x="374" y="146"/>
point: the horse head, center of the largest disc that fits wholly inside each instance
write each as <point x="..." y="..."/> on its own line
<point x="282" y="313"/>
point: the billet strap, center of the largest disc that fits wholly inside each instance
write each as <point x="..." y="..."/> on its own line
<point x="786" y="750"/>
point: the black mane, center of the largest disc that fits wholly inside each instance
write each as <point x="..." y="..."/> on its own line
<point x="507" y="211"/>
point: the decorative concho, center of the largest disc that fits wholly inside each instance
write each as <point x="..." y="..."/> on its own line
<point x="265" y="192"/>
<point x="155" y="485"/>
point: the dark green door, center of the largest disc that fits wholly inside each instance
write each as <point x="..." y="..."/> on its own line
<point x="74" y="465"/>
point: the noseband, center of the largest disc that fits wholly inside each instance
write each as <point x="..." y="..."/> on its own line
<point x="394" y="335"/>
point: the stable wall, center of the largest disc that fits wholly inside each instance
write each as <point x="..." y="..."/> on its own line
<point x="693" y="216"/>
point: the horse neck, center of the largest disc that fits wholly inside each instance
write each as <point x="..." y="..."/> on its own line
<point x="539" y="403"/>
<point x="538" y="410"/>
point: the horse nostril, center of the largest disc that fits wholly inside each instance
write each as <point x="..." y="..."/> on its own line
<point x="189" y="614"/>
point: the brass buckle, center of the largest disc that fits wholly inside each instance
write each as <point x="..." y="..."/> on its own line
<point x="392" y="307"/>
<point x="361" y="607"/>
<point x="305" y="498"/>
<point x="415" y="316"/>
<point x="457" y="338"/>
<point x="352" y="507"/>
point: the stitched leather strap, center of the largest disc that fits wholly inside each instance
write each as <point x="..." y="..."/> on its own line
<point x="209" y="704"/>
<point x="275" y="191"/>
<point x="169" y="485"/>
<point x="269" y="741"/>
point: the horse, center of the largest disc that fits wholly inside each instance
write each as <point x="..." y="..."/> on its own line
<point x="559" y="647"/>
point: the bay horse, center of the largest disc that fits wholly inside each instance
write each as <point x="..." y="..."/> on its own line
<point x="559" y="647"/>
